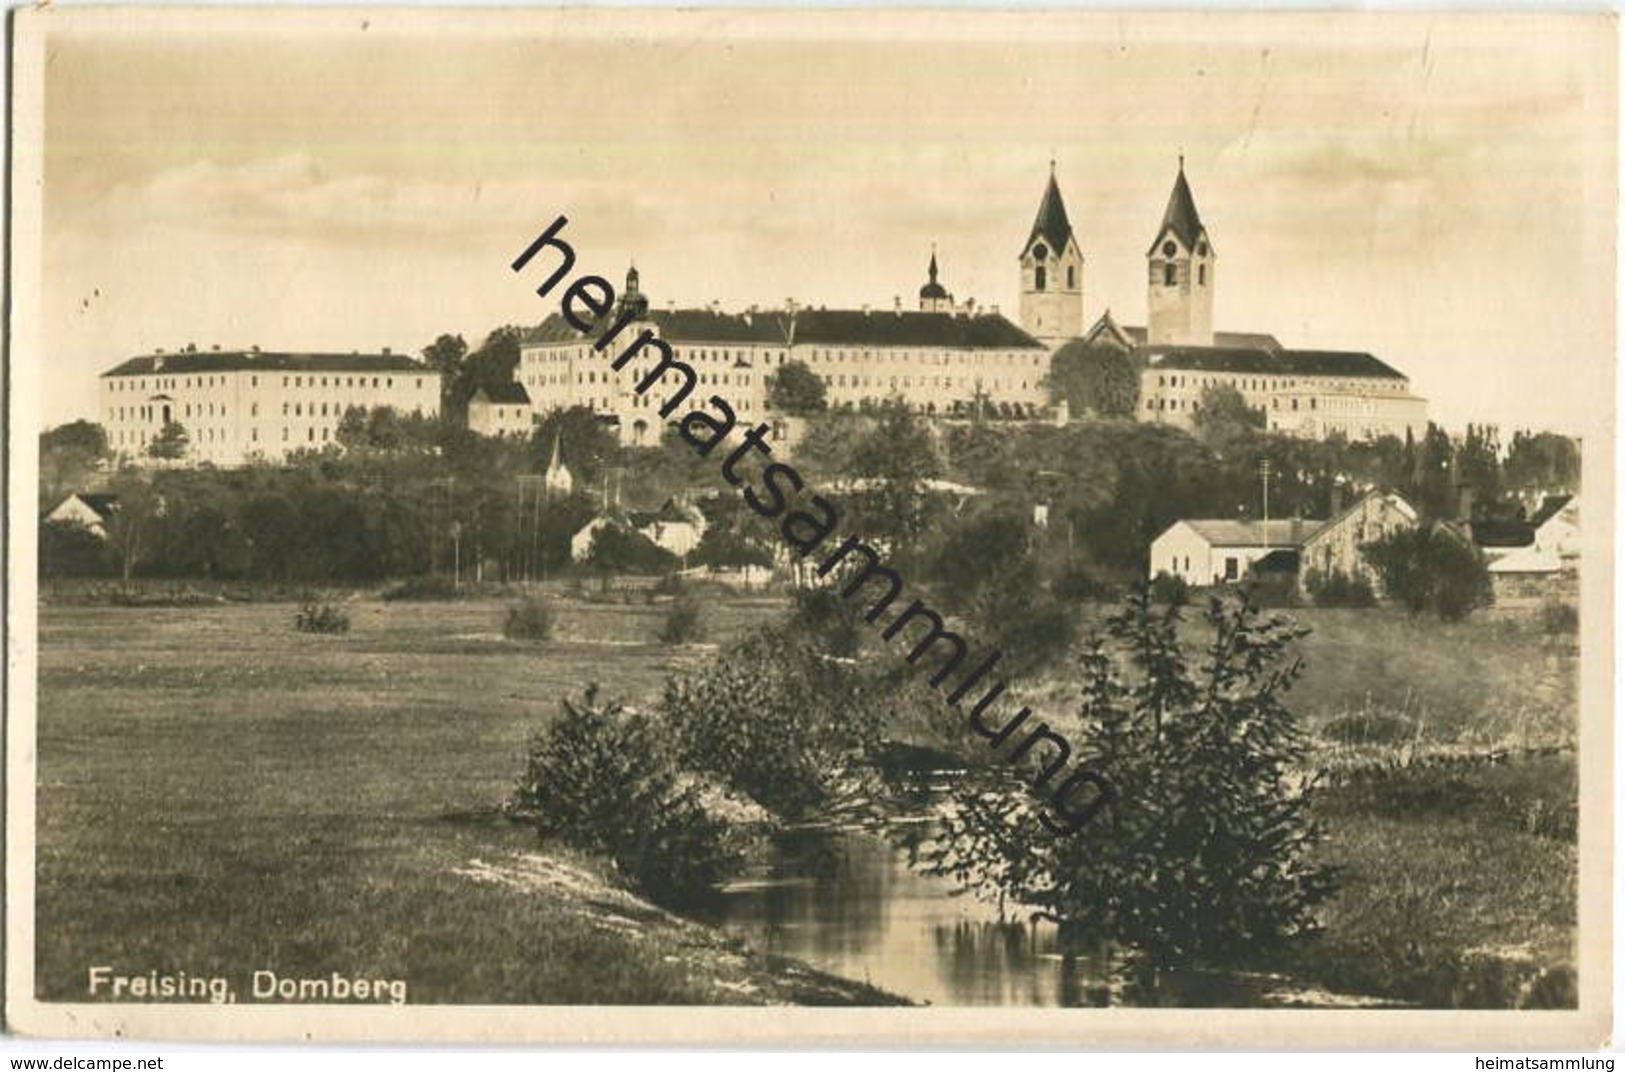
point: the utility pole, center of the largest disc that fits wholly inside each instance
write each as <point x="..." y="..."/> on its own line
<point x="1264" y="473"/>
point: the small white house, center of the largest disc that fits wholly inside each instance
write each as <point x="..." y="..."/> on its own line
<point x="502" y="411"/>
<point x="89" y="511"/>
<point x="1212" y="551"/>
<point x="1557" y="525"/>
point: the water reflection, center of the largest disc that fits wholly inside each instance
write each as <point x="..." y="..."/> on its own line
<point x="849" y="903"/>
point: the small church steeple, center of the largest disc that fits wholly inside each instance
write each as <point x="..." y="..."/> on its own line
<point x="557" y="479"/>
<point x="1052" y="272"/>
<point x="633" y="298"/>
<point x="934" y="297"/>
<point x="1180" y="273"/>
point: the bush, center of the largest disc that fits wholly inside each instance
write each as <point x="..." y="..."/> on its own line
<point x="1335" y="588"/>
<point x="321" y="618"/>
<point x="529" y="619"/>
<point x="1274" y="590"/>
<point x="604" y="780"/>
<point x="429" y="587"/>
<point x="1080" y="584"/>
<point x="1557" y="616"/>
<point x="1204" y="852"/>
<point x="1431" y="569"/>
<point x="774" y="719"/>
<point x="830" y="622"/>
<point x="1170" y="590"/>
<point x="684" y="625"/>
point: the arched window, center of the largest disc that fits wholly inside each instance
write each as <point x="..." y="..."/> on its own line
<point x="1201" y="275"/>
<point x="1038" y="278"/>
<point x="1071" y="277"/>
<point x="1169" y="274"/>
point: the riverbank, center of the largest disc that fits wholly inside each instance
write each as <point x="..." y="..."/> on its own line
<point x="220" y="794"/>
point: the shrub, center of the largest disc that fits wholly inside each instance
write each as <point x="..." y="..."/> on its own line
<point x="529" y="619"/>
<point x="1431" y="569"/>
<point x="1170" y="590"/>
<point x="1274" y="590"/>
<point x="684" y="625"/>
<point x="316" y="617"/>
<point x="428" y="587"/>
<point x="829" y="622"/>
<point x="1203" y="853"/>
<point x="1080" y="584"/>
<point x="773" y="718"/>
<point x="1335" y="588"/>
<point x="1557" y="616"/>
<point x="602" y="778"/>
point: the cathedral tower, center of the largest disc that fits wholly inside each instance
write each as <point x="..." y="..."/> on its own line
<point x="1179" y="280"/>
<point x="1052" y="274"/>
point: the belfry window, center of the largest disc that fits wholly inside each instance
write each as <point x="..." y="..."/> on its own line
<point x="1038" y="278"/>
<point x="1201" y="275"/>
<point x="1170" y="274"/>
<point x="1071" y="277"/>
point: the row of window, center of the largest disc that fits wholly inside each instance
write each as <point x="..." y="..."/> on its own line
<point x="174" y="383"/>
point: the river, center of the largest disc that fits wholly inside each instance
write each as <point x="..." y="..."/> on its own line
<point x="847" y="902"/>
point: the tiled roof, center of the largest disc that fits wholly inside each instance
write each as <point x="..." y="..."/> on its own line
<point x="850" y="327"/>
<point x="952" y="330"/>
<point x="1269" y="363"/>
<point x="507" y="394"/>
<point x="1227" y="533"/>
<point x="1550" y="506"/>
<point x="1234" y="340"/>
<point x="1180" y="215"/>
<point x="184" y="364"/>
<point x="1051" y="223"/>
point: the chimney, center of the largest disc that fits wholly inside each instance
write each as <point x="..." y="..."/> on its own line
<point x="255" y="348"/>
<point x="160" y="350"/>
<point x="386" y="351"/>
<point x="215" y="348"/>
<point x="897" y="304"/>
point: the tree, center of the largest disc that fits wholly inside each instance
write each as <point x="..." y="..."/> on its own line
<point x="129" y="530"/>
<point x="617" y="549"/>
<point x="1543" y="461"/>
<point x="1095" y="379"/>
<point x="171" y="442"/>
<point x="796" y="389"/>
<point x="491" y="366"/>
<point x="1203" y="852"/>
<point x="899" y="456"/>
<point x="69" y="454"/>
<point x="1431" y="568"/>
<point x="1225" y="418"/>
<point x="445" y="355"/>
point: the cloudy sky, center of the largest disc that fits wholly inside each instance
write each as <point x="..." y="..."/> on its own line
<point x="1436" y="190"/>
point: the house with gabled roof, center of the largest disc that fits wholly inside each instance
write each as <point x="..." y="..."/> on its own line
<point x="90" y="511"/>
<point x="502" y="410"/>
<point x="1207" y="551"/>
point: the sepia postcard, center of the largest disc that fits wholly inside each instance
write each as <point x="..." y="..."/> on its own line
<point x="811" y="527"/>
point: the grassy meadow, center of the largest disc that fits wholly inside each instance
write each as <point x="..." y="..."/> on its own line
<point x="219" y="793"/>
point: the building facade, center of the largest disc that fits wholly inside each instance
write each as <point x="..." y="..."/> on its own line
<point x="1208" y="551"/>
<point x="938" y="360"/>
<point x="1314" y="394"/>
<point x="245" y="405"/>
<point x="1337" y="545"/>
<point x="500" y="411"/>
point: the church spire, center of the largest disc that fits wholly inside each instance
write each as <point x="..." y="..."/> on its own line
<point x="934" y="297"/>
<point x="1181" y="216"/>
<point x="1051" y="223"/>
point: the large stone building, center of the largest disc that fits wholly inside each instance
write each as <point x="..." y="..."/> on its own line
<point x="240" y="405"/>
<point x="939" y="359"/>
<point x="1310" y="393"/>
